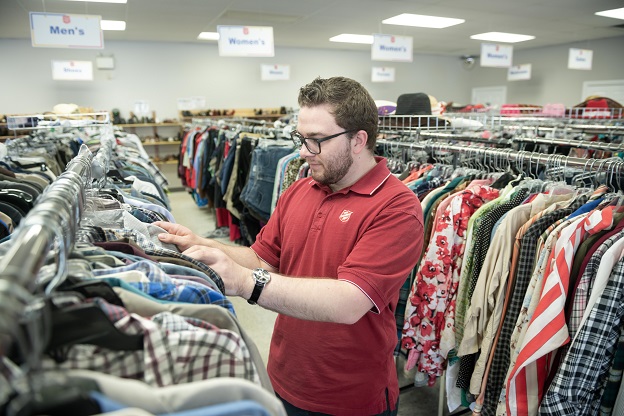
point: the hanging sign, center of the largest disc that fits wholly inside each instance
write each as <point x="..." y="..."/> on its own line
<point x="246" y="41"/>
<point x="383" y="74"/>
<point x="72" y="70"/>
<point x="392" y="48"/>
<point x="519" y="72"/>
<point x="498" y="56"/>
<point x="580" y="59"/>
<point x="275" y="72"/>
<point x="58" y="30"/>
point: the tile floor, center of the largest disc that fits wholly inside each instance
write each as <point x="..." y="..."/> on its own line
<point x="259" y="322"/>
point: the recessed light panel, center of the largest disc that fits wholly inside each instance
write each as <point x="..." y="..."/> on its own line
<point x="208" y="36"/>
<point x="350" y="38"/>
<point x="113" y="25"/>
<point x="103" y="1"/>
<point x="614" y="13"/>
<point x="421" y="20"/>
<point x="502" y="37"/>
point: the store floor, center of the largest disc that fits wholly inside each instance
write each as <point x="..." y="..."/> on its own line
<point x="259" y="322"/>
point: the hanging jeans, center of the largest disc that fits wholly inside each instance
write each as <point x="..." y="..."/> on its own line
<point x="258" y="191"/>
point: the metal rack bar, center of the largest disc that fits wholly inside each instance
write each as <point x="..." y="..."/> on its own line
<point x="594" y="165"/>
<point x="50" y="121"/>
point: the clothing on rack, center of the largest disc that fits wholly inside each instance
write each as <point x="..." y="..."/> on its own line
<point x="116" y="306"/>
<point x="510" y="253"/>
<point x="237" y="171"/>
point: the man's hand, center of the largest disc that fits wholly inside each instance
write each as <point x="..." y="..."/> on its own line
<point x="233" y="274"/>
<point x="178" y="235"/>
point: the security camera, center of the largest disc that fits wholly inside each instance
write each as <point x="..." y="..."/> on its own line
<point x="468" y="61"/>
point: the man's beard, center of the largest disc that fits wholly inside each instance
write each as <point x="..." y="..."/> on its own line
<point x="335" y="169"/>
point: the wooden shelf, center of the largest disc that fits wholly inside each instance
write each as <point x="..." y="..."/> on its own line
<point x="250" y="113"/>
<point x="161" y="143"/>
<point x="167" y="162"/>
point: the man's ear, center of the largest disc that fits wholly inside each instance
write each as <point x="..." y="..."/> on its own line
<point x="359" y="141"/>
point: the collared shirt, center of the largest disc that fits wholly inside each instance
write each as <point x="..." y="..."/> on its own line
<point x="98" y="234"/>
<point x="547" y="330"/>
<point x="432" y="299"/>
<point x="341" y="235"/>
<point x="526" y="257"/>
<point x="576" y="389"/>
<point x="167" y="357"/>
<point x="164" y="287"/>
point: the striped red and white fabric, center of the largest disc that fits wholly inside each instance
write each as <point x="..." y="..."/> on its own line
<point x="547" y="329"/>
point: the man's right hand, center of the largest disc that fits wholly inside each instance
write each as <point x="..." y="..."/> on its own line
<point x="179" y="235"/>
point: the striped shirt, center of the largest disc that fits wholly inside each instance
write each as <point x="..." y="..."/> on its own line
<point x="547" y="330"/>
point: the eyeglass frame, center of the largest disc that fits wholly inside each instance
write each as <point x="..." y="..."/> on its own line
<point x="318" y="141"/>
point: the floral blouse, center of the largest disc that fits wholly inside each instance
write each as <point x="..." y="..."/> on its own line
<point x="431" y="303"/>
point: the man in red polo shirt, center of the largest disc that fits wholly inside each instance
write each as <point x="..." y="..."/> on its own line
<point x="330" y="261"/>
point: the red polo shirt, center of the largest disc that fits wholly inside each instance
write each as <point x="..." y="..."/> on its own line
<point x="369" y="234"/>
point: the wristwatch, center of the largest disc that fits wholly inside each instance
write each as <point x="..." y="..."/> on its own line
<point x="261" y="278"/>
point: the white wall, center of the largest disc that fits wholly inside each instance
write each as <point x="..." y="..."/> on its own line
<point x="551" y="80"/>
<point x="163" y="72"/>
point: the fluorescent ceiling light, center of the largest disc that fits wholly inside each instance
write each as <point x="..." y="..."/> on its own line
<point x="421" y="20"/>
<point x="502" y="37"/>
<point x="614" y="13"/>
<point x="103" y="1"/>
<point x="113" y="25"/>
<point x="349" y="38"/>
<point x="208" y="36"/>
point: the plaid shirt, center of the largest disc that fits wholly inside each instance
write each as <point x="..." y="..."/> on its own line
<point x="164" y="287"/>
<point x="99" y="234"/>
<point x="526" y="261"/>
<point x="168" y="357"/>
<point x="547" y="330"/>
<point x="611" y="390"/>
<point x="577" y="387"/>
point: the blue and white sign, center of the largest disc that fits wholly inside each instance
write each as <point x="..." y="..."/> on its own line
<point x="58" y="30"/>
<point x="72" y="70"/>
<point x="519" y="72"/>
<point x="248" y="41"/>
<point x="392" y="48"/>
<point x="383" y="74"/>
<point x="580" y="59"/>
<point x="494" y="55"/>
<point x="275" y="72"/>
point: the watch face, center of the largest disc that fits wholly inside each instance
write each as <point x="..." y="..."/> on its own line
<point x="262" y="276"/>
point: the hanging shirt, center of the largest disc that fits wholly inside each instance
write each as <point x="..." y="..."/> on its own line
<point x="576" y="389"/>
<point x="432" y="298"/>
<point x="547" y="330"/>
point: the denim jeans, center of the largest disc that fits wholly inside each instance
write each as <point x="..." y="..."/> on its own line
<point x="292" y="410"/>
<point x="258" y="192"/>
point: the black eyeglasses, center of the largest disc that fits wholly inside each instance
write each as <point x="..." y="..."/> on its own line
<point x="313" y="145"/>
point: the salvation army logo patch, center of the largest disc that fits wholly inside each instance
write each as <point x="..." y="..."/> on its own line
<point x="345" y="215"/>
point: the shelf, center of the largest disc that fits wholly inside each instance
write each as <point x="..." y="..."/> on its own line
<point x="167" y="162"/>
<point x="150" y="125"/>
<point x="161" y="143"/>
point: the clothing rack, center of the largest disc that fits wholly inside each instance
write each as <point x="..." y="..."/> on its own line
<point x="463" y="137"/>
<point x="52" y="121"/>
<point x="253" y="126"/>
<point x="595" y="165"/>
<point x="583" y="144"/>
<point x="53" y="220"/>
<point x="609" y="166"/>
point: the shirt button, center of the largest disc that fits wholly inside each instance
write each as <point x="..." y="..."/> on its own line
<point x="320" y="214"/>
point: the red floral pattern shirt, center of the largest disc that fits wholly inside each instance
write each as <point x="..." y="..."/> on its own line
<point x="431" y="305"/>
